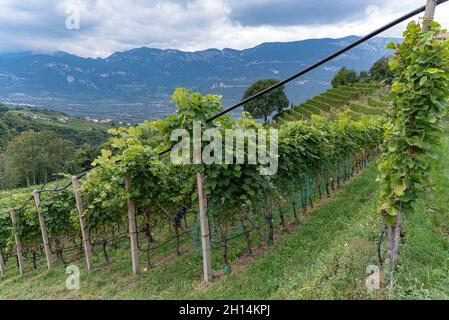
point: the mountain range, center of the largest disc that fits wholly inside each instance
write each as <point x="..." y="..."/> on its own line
<point x="136" y="84"/>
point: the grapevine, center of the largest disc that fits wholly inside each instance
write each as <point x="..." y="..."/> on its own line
<point x="419" y="95"/>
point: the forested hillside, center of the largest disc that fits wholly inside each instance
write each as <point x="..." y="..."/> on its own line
<point x="54" y="143"/>
<point x="14" y="121"/>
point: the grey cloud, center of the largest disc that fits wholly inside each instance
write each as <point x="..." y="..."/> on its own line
<point x="300" y="12"/>
<point x="116" y="25"/>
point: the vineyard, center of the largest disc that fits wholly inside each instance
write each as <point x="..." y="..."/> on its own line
<point x="358" y="99"/>
<point x="139" y="210"/>
<point x="337" y="241"/>
<point x="315" y="158"/>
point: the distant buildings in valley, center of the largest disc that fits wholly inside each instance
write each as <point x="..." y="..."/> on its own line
<point x="35" y="116"/>
<point x="97" y="120"/>
<point x="32" y="112"/>
<point x="105" y="121"/>
<point x="63" y="120"/>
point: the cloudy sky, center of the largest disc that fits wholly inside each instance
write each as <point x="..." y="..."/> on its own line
<point x="106" y="26"/>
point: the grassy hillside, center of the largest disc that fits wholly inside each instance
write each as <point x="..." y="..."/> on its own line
<point x="13" y="121"/>
<point x="324" y="258"/>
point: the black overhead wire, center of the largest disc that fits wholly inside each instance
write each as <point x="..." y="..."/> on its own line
<point x="319" y="63"/>
<point x="302" y="72"/>
<point x="285" y="81"/>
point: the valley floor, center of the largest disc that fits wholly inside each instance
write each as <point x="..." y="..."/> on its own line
<point x="326" y="257"/>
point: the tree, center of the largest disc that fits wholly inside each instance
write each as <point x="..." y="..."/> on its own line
<point x="264" y="106"/>
<point x="33" y="157"/>
<point x="364" y="76"/>
<point x="381" y="71"/>
<point x="344" y="77"/>
<point x="82" y="159"/>
<point x="5" y="134"/>
<point x="3" y="182"/>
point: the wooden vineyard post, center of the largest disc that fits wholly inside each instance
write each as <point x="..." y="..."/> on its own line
<point x="2" y="264"/>
<point x="204" y="223"/>
<point x="429" y="14"/>
<point x="132" y="229"/>
<point x="37" y="202"/>
<point x="18" y="243"/>
<point x="393" y="238"/>
<point x="80" y="209"/>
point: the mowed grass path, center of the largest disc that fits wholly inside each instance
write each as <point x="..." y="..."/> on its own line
<point x="325" y="258"/>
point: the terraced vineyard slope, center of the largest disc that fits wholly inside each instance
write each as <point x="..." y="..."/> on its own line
<point x="358" y="99"/>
